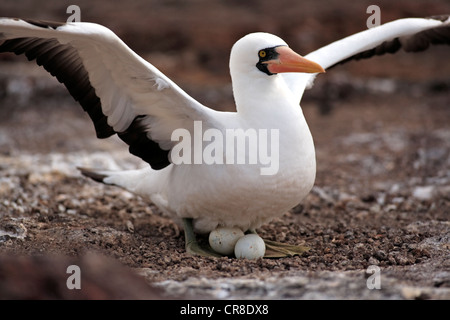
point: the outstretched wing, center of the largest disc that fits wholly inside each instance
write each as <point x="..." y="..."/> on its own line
<point x="122" y="93"/>
<point x="412" y="34"/>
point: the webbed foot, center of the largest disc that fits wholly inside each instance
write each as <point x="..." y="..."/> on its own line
<point x="191" y="244"/>
<point x="276" y="249"/>
<point x="281" y="250"/>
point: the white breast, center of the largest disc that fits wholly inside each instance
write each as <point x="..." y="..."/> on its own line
<point x="238" y="195"/>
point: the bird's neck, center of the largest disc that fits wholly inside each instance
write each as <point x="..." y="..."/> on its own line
<point x="262" y="96"/>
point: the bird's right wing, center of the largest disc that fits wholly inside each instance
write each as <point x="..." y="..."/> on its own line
<point x="411" y="34"/>
<point x="122" y="93"/>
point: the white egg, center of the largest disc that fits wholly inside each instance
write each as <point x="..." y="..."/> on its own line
<point x="250" y="246"/>
<point x="222" y="240"/>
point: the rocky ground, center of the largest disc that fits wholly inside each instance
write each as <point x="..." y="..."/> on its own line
<point x="382" y="194"/>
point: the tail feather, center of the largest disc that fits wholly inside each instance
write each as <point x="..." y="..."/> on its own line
<point x="144" y="181"/>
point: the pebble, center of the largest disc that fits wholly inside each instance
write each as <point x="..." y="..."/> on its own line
<point x="423" y="193"/>
<point x="130" y="226"/>
<point x="373" y="261"/>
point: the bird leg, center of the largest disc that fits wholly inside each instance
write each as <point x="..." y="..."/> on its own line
<point x="191" y="244"/>
<point x="276" y="249"/>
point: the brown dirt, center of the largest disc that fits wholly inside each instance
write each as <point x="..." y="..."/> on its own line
<point x="382" y="193"/>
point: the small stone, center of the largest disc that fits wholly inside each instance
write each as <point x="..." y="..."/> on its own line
<point x="401" y="259"/>
<point x="380" y="255"/>
<point x="373" y="261"/>
<point x="130" y="226"/>
<point x="423" y="193"/>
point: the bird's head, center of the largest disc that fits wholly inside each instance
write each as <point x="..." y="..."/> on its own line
<point x="264" y="53"/>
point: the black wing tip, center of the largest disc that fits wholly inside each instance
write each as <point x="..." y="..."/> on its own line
<point x="38" y="23"/>
<point x="440" y="17"/>
<point x="44" y="23"/>
<point x="415" y="43"/>
<point x="99" y="177"/>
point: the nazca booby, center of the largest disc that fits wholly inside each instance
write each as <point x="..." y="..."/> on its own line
<point x="126" y="95"/>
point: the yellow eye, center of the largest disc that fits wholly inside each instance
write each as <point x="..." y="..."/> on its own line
<point x="262" y="54"/>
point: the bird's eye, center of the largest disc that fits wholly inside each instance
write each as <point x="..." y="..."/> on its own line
<point x="262" y="53"/>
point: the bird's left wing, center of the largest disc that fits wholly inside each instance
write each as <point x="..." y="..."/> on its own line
<point x="122" y="93"/>
<point x="411" y="34"/>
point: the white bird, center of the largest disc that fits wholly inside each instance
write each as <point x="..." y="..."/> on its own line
<point x="126" y="95"/>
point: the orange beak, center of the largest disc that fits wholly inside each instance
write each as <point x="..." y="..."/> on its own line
<point x="289" y="61"/>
